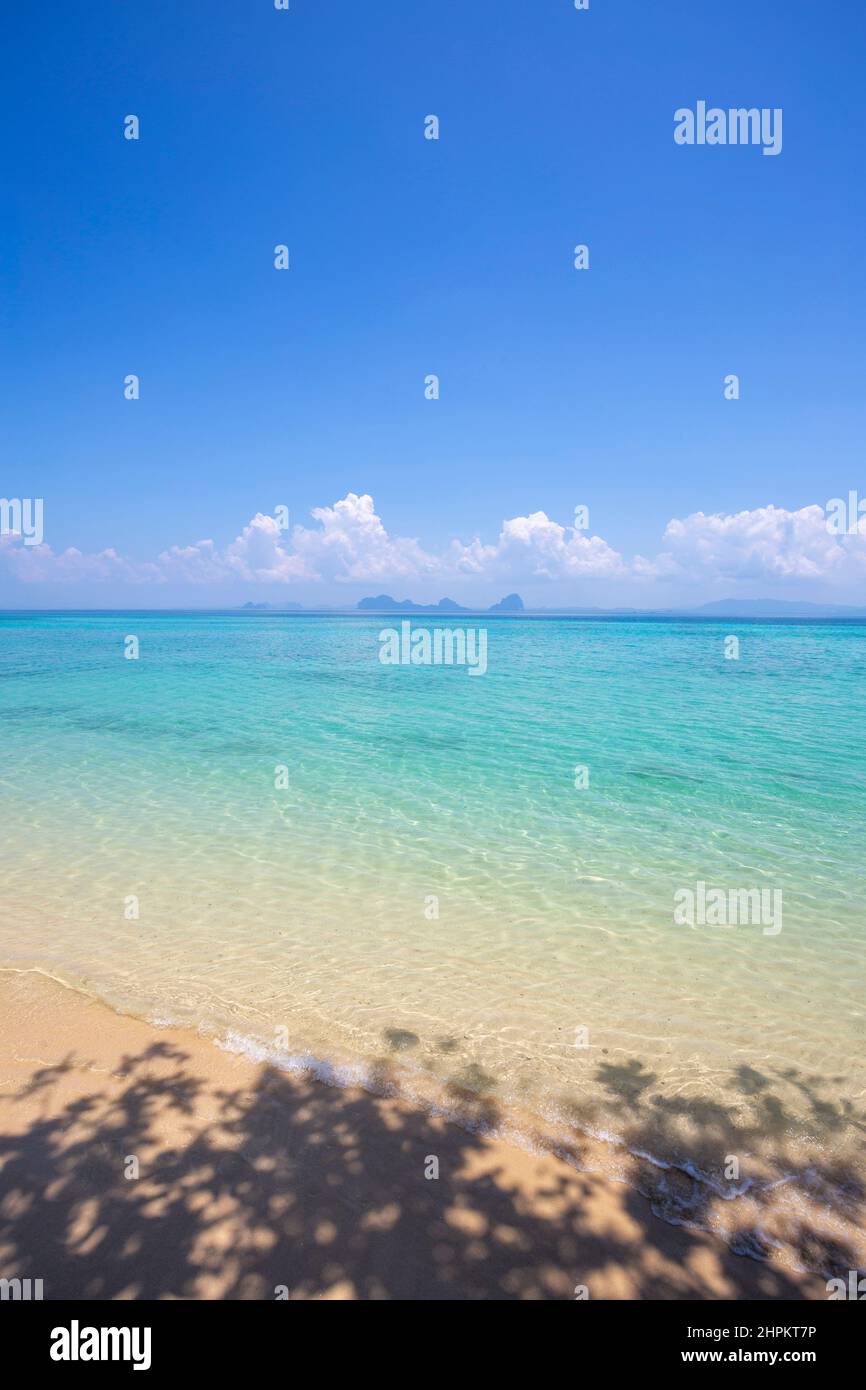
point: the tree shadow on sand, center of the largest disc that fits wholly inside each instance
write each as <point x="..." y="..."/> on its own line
<point x="780" y="1129"/>
<point x="287" y="1187"/>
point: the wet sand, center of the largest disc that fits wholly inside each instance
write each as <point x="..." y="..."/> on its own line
<point x="143" y="1163"/>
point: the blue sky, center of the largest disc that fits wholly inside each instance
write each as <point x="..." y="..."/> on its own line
<point x="305" y="388"/>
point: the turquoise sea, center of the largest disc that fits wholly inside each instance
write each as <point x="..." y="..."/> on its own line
<point x="464" y="887"/>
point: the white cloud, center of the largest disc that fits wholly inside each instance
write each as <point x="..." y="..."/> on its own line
<point x="349" y="544"/>
<point x="352" y="544"/>
<point x="34" y="564"/>
<point x="257" y="555"/>
<point x="536" y="547"/>
<point x="768" y="543"/>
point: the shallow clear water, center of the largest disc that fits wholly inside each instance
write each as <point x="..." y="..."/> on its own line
<point x="554" y="983"/>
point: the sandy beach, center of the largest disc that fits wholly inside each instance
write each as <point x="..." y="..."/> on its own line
<point x="255" y="1184"/>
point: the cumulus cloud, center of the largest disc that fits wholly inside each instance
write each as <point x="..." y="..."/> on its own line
<point x="352" y="544"/>
<point x="34" y="564"/>
<point x="349" y="544"/>
<point x="538" y="548"/>
<point x="763" y="544"/>
<point x="257" y="555"/>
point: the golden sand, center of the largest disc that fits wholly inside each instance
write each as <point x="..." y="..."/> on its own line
<point x="143" y="1162"/>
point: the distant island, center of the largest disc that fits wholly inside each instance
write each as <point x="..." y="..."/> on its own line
<point x="384" y="603"/>
<point x="777" y="608"/>
<point x="729" y="609"/>
<point x="272" y="608"/>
